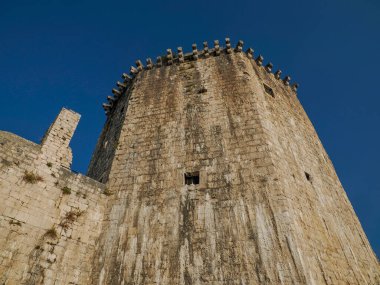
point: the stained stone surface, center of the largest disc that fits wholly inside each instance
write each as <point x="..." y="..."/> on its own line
<point x="268" y="209"/>
<point x="47" y="235"/>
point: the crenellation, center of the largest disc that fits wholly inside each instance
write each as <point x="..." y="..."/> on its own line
<point x="107" y="107"/>
<point x="121" y="85"/>
<point x="249" y="53"/>
<point x="133" y="71"/>
<point x="269" y="67"/>
<point x="239" y="46"/>
<point x="259" y="60"/>
<point x="126" y="77"/>
<point x="206" y="53"/>
<point x="149" y="63"/>
<point x="216" y="47"/>
<point x="169" y="56"/>
<point x="181" y="58"/>
<point x="139" y="65"/>
<point x="277" y="74"/>
<point x="228" y="45"/>
<point x="195" y="51"/>
<point x="295" y="86"/>
<point x="116" y="92"/>
<point x="159" y="61"/>
<point x="111" y="100"/>
<point x="286" y="80"/>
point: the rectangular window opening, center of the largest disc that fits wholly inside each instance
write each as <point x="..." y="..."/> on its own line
<point x="308" y="176"/>
<point x="192" y="178"/>
<point x="269" y="90"/>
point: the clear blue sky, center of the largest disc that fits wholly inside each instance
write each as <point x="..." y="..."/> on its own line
<point x="56" y="53"/>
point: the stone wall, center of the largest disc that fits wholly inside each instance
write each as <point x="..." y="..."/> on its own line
<point x="268" y="208"/>
<point x="103" y="156"/>
<point x="324" y="235"/>
<point x="254" y="218"/>
<point x="50" y="217"/>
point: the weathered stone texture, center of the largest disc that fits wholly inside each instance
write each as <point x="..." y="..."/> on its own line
<point x="55" y="144"/>
<point x="254" y="218"/>
<point x="268" y="209"/>
<point x="104" y="153"/>
<point x="33" y="203"/>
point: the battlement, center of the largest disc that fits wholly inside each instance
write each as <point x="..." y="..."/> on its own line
<point x="179" y="57"/>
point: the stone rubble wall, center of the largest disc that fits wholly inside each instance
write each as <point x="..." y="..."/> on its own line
<point x="47" y="235"/>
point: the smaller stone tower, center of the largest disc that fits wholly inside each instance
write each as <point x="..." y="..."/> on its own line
<point x="55" y="143"/>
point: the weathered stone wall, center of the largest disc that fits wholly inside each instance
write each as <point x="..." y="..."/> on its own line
<point x="254" y="218"/>
<point x="55" y="144"/>
<point x="50" y="218"/>
<point x="326" y="239"/>
<point x="106" y="146"/>
<point x="269" y="208"/>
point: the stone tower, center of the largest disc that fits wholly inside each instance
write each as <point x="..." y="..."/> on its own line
<point x="218" y="177"/>
<point x="207" y="172"/>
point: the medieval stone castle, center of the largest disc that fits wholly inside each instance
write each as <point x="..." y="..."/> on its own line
<point x="207" y="171"/>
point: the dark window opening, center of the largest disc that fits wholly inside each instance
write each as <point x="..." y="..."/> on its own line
<point x="202" y="90"/>
<point x="192" y="178"/>
<point x="268" y="90"/>
<point x="308" y="176"/>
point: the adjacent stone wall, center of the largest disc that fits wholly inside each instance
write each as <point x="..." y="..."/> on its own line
<point x="254" y="218"/>
<point x="50" y="217"/>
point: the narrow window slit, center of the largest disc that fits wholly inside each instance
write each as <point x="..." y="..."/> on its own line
<point x="308" y="176"/>
<point x="269" y="90"/>
<point x="192" y="178"/>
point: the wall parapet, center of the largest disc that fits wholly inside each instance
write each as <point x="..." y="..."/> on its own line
<point x="179" y="57"/>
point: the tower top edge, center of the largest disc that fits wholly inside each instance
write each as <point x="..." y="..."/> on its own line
<point x="179" y="57"/>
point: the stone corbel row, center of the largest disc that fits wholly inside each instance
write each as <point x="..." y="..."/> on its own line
<point x="119" y="91"/>
<point x="170" y="58"/>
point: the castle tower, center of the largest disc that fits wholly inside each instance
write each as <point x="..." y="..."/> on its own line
<point x="218" y="177"/>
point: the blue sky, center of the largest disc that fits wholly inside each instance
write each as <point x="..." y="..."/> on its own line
<point x="70" y="53"/>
